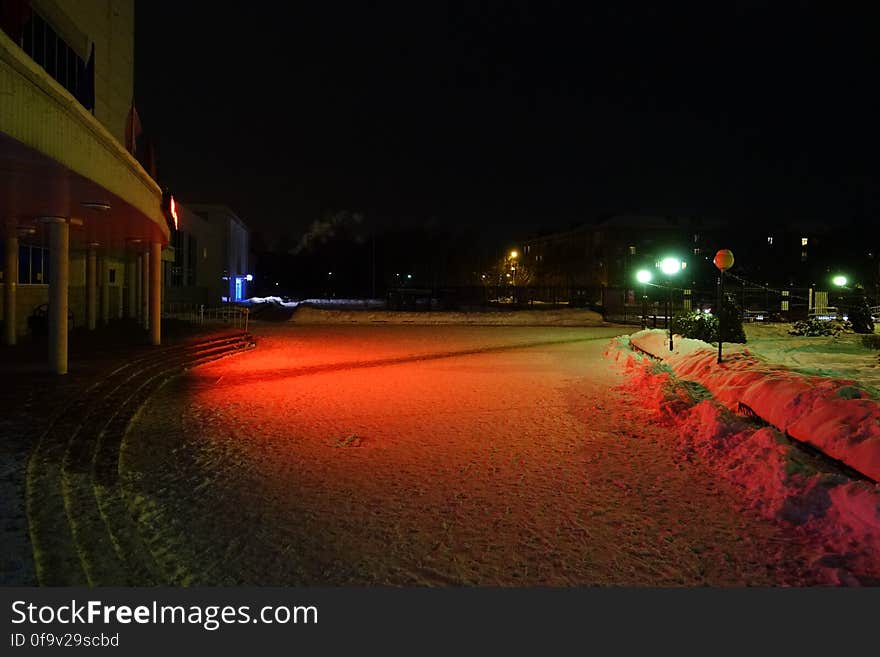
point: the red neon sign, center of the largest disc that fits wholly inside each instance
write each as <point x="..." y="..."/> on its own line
<point x="174" y="213"/>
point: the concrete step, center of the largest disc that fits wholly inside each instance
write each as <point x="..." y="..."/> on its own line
<point x="72" y="498"/>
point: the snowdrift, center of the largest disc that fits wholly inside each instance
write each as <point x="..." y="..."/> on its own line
<point x="837" y="519"/>
<point x="834" y="415"/>
<point x="313" y="315"/>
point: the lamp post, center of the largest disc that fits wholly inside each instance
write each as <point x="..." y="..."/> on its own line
<point x="512" y="256"/>
<point x="840" y="281"/>
<point x="670" y="266"/>
<point x="723" y="261"/>
<point x="643" y="276"/>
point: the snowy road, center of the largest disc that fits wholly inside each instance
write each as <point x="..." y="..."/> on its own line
<point x="431" y="456"/>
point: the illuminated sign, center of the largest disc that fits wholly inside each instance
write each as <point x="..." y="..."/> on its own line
<point x="174" y="213"/>
<point x="169" y="209"/>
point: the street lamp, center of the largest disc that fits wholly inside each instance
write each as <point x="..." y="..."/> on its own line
<point x="840" y="281"/>
<point x="512" y="256"/>
<point x="670" y="267"/>
<point x="644" y="277"/>
<point x="723" y="261"/>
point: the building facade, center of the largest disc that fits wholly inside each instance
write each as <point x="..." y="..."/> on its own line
<point x="609" y="253"/>
<point x="208" y="246"/>
<point x="235" y="236"/>
<point x="83" y="223"/>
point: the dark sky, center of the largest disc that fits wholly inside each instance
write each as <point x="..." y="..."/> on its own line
<point x="516" y="115"/>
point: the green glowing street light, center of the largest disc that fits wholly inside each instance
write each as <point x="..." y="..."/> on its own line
<point x="644" y="277"/>
<point x="840" y="281"/>
<point x="670" y="267"/>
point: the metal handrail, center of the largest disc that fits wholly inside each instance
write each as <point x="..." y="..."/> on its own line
<point x="199" y="314"/>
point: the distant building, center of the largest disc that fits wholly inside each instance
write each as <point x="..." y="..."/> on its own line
<point x="607" y="254"/>
<point x="234" y="245"/>
<point x="193" y="275"/>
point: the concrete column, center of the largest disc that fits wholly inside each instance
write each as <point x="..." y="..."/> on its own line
<point x="156" y="293"/>
<point x="105" y="289"/>
<point x="138" y="284"/>
<point x="91" y="287"/>
<point x="59" y="279"/>
<point x="10" y="285"/>
<point x="145" y="290"/>
<point x="131" y="284"/>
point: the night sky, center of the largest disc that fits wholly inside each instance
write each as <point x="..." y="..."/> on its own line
<point x="517" y="116"/>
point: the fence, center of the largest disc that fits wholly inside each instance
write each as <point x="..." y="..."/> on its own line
<point x="478" y="296"/>
<point x="758" y="303"/>
<point x="229" y="315"/>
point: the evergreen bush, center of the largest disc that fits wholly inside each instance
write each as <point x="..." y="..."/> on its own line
<point x="697" y="325"/>
<point x="815" y="327"/>
<point x="731" y="320"/>
<point x="859" y="315"/>
<point x="704" y="326"/>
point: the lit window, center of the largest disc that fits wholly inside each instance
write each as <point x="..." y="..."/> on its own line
<point x="632" y="250"/>
<point x="696" y="252"/>
<point x="770" y="240"/>
<point x="804" y="241"/>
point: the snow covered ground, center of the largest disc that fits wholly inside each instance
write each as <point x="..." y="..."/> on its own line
<point x="372" y="311"/>
<point x="701" y="397"/>
<point x="844" y="356"/>
<point x="325" y="303"/>
<point x="434" y="455"/>
<point x="563" y="317"/>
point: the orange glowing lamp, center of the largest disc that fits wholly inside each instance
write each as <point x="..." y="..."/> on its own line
<point x="724" y="259"/>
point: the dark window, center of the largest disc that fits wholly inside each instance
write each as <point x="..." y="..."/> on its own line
<point x="24" y="264"/>
<point x="112" y="275"/>
<point x="191" y="268"/>
<point x="43" y="44"/>
<point x="27" y="38"/>
<point x="51" y="52"/>
<point x="72" y="70"/>
<point x="39" y="52"/>
<point x="33" y="265"/>
<point x="177" y="241"/>
<point x="37" y="266"/>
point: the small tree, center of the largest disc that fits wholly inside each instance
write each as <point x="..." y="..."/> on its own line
<point x="697" y="325"/>
<point x="704" y="326"/>
<point x="730" y="315"/>
<point x="859" y="314"/>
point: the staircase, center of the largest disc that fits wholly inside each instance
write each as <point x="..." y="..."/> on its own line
<point x="80" y="529"/>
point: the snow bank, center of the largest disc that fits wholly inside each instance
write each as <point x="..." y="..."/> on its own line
<point x="839" y="518"/>
<point x="329" y="303"/>
<point x="834" y="415"/>
<point x="276" y="300"/>
<point x="568" y="317"/>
